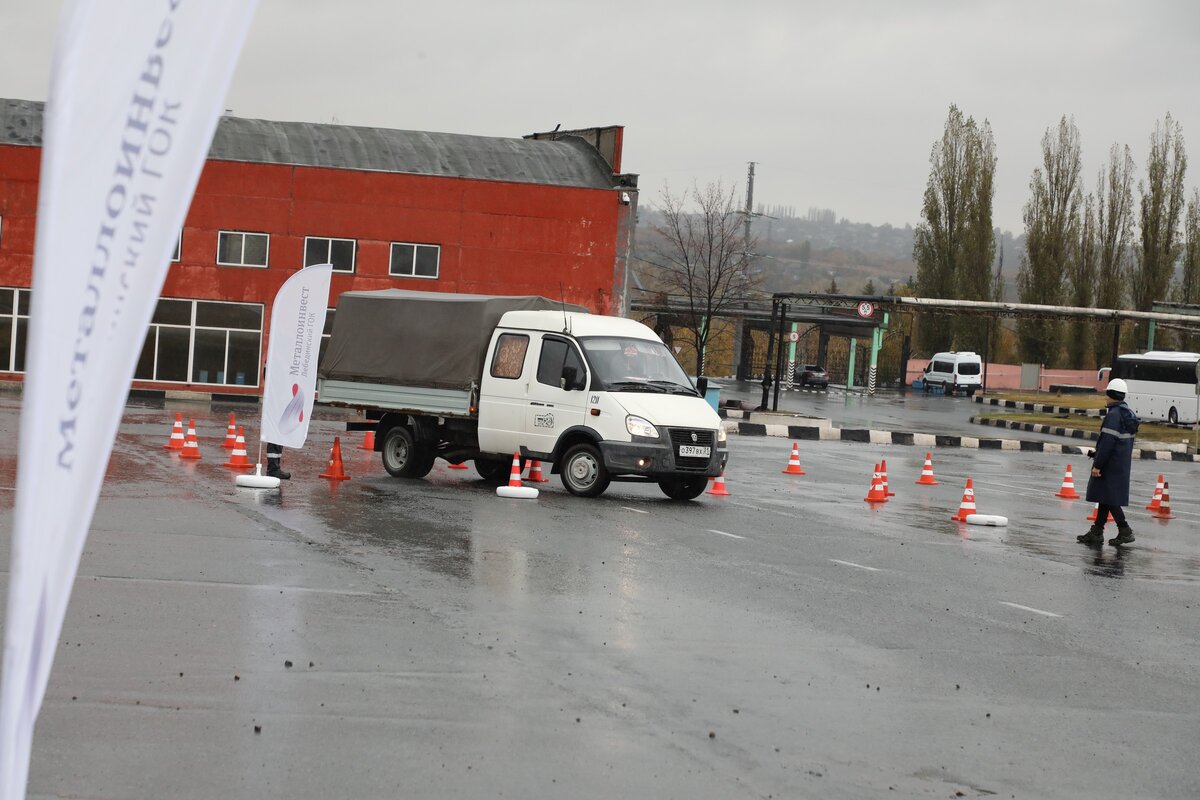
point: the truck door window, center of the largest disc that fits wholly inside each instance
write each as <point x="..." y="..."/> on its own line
<point x="509" y="358"/>
<point x="557" y="353"/>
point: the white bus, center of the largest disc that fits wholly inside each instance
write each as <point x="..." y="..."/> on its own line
<point x="1162" y="384"/>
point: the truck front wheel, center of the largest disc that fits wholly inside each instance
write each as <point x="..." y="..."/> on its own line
<point x="583" y="471"/>
<point x="403" y="457"/>
<point x="683" y="488"/>
<point x="493" y="471"/>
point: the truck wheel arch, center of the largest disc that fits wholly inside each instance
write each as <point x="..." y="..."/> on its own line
<point x="571" y="437"/>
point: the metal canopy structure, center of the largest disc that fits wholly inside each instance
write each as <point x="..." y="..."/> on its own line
<point x="838" y="315"/>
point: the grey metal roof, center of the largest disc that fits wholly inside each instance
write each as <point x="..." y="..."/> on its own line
<point x="568" y="161"/>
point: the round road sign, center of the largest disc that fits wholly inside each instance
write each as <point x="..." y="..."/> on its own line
<point x="865" y="309"/>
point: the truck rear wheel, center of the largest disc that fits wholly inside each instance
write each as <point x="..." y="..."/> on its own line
<point x="403" y="456"/>
<point x="583" y="471"/>
<point x="683" y="488"/>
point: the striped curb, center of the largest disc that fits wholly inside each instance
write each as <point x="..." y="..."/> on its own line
<point x="1040" y="408"/>
<point x="930" y="440"/>
<point x="1036" y="427"/>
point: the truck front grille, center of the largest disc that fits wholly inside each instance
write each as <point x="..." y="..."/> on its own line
<point x="683" y="436"/>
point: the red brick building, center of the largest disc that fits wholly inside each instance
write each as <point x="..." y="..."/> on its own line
<point x="389" y="208"/>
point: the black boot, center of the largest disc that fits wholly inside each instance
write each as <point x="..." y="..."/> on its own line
<point x="1094" y="536"/>
<point x="273" y="470"/>
<point x="1124" y="536"/>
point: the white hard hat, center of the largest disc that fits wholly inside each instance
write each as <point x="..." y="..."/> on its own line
<point x="1117" y="385"/>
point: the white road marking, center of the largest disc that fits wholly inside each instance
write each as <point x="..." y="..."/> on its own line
<point x="852" y="564"/>
<point x="723" y="533"/>
<point x="1032" y="610"/>
<point x="635" y="510"/>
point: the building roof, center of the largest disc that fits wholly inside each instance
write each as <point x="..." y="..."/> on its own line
<point x="566" y="161"/>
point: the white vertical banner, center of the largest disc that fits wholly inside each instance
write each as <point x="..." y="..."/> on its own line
<point x="297" y="322"/>
<point x="135" y="93"/>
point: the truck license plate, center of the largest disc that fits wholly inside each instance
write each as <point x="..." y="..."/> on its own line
<point x="690" y="451"/>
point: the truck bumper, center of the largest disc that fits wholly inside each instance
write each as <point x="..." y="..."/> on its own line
<point x="657" y="460"/>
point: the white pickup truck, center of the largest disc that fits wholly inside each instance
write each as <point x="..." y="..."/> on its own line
<point x="474" y="377"/>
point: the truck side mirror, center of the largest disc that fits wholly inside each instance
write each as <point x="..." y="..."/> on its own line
<point x="570" y="380"/>
<point x="702" y="385"/>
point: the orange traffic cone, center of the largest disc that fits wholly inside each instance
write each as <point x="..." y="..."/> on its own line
<point x="883" y="478"/>
<point x="368" y="441"/>
<point x="535" y="472"/>
<point x="191" y="447"/>
<point x="793" y="465"/>
<point x="876" y="494"/>
<point x="1164" y="508"/>
<point x="1095" y="513"/>
<point x="514" y="474"/>
<point x="458" y="466"/>
<point x="334" y="471"/>
<point x="176" y="440"/>
<point x="238" y="459"/>
<point x="230" y="442"/>
<point x="1067" y="491"/>
<point x="717" y="486"/>
<point x="967" y="506"/>
<point x="927" y="478"/>
<point x="1156" y="501"/>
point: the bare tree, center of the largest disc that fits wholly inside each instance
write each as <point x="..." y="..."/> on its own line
<point x="700" y="257"/>
<point x="1114" y="228"/>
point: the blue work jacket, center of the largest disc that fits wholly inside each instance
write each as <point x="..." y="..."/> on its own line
<point x="1114" y="457"/>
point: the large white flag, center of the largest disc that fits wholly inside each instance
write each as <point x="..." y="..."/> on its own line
<point x="135" y="94"/>
<point x="297" y="322"/>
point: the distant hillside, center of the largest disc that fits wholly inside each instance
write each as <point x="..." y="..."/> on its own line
<point x="798" y="254"/>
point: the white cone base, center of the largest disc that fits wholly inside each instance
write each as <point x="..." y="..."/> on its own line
<point x="991" y="520"/>
<point x="517" y="492"/>
<point x="257" y="480"/>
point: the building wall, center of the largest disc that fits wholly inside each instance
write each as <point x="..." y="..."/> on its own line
<point x="494" y="237"/>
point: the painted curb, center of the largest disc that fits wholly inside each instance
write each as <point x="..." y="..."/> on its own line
<point x="927" y="440"/>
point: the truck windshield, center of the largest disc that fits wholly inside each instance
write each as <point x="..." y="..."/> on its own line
<point x="624" y="364"/>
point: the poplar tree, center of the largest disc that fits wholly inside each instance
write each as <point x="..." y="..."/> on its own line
<point x="1159" y="214"/>
<point x="1189" y="283"/>
<point x="1114" y="229"/>
<point x="1051" y="234"/>
<point x="954" y="246"/>
<point x="1083" y="269"/>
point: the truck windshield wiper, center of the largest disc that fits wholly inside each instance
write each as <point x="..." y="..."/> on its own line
<point x="638" y="386"/>
<point x="676" y="388"/>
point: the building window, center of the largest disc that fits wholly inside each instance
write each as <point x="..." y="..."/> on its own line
<point x="178" y="254"/>
<point x="242" y="249"/>
<point x="339" y="252"/>
<point x="14" y="328"/>
<point x="201" y="341"/>
<point x="415" y="260"/>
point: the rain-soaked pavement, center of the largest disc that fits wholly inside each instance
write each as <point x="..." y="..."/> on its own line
<point x="387" y="638"/>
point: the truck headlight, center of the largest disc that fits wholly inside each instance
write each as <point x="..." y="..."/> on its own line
<point x="721" y="434"/>
<point x="640" y="427"/>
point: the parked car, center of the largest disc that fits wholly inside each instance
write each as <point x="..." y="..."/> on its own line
<point x="812" y="375"/>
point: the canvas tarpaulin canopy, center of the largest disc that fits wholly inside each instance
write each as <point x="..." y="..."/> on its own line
<point x="431" y="339"/>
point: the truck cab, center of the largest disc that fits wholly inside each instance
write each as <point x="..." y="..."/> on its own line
<point x="601" y="399"/>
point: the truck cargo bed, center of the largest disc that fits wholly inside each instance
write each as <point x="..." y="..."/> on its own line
<point x="386" y="397"/>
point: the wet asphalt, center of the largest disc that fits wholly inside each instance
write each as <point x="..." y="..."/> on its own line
<point x="382" y="638"/>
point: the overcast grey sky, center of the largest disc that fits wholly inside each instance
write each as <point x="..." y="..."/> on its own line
<point x="839" y="102"/>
